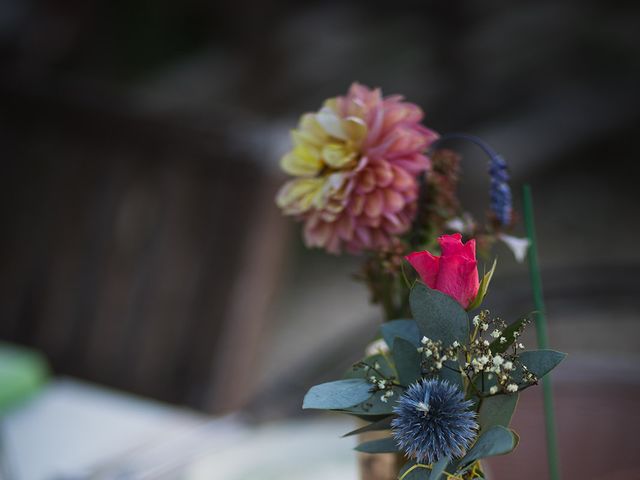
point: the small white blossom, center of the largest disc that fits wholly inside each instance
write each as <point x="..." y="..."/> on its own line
<point x="498" y="360"/>
<point x="382" y="384"/>
<point x="493" y="390"/>
<point x="503" y="340"/>
<point x="424" y="340"/>
<point x="485" y="343"/>
<point x="428" y="352"/>
<point x="516" y="334"/>
<point x="483" y="360"/>
<point x="507" y="365"/>
<point x="455" y="344"/>
<point x="372" y="379"/>
<point x="476" y="321"/>
<point x="520" y="345"/>
<point x="383" y="399"/>
<point x="512" y="387"/>
<point x="485" y="327"/>
<point x="438" y="365"/>
<point x="496" y="333"/>
<point x="376" y="366"/>
<point x="420" y="349"/>
<point x="389" y="393"/>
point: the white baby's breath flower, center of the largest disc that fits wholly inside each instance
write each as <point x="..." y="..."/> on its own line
<point x="508" y="365"/>
<point x="377" y="346"/>
<point x="512" y="387"/>
<point x="424" y="340"/>
<point x="493" y="390"/>
<point x="496" y="333"/>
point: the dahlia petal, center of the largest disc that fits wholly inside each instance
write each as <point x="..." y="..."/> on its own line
<point x="301" y="162"/>
<point x="414" y="164"/>
<point x="384" y="174"/>
<point x="356" y="129"/>
<point x="375" y="204"/>
<point x="393" y="201"/>
<point x="402" y="181"/>
<point x="331" y="123"/>
<point x="336" y="155"/>
<point x="366" y="181"/>
<point x="298" y="196"/>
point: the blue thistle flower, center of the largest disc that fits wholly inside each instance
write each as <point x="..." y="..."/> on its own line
<point x="433" y="421"/>
<point x="500" y="191"/>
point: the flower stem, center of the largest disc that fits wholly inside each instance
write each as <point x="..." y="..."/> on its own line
<point x="541" y="331"/>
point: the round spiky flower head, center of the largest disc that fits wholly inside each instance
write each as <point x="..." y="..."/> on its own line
<point x="433" y="421"/>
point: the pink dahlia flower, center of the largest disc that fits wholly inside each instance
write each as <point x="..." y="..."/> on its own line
<point x="356" y="163"/>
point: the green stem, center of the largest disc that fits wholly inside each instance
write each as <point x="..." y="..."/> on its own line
<point x="541" y="331"/>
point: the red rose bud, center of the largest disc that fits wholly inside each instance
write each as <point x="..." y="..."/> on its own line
<point x="455" y="272"/>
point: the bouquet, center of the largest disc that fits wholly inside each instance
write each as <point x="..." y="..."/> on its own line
<point x="444" y="375"/>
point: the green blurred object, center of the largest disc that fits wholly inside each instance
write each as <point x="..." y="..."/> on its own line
<point x="22" y="373"/>
<point x="541" y="330"/>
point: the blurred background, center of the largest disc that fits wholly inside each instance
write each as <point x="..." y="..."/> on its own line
<point x="154" y="283"/>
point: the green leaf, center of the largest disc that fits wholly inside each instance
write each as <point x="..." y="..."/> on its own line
<point x="374" y="407"/>
<point x="437" y="469"/>
<point x="382" y="445"/>
<point x="384" y="424"/>
<point x="385" y="369"/>
<point x="439" y="317"/>
<point x="410" y="471"/>
<point x="539" y="362"/>
<point x="495" y="441"/>
<point x="497" y="410"/>
<point x="497" y="347"/>
<point x="482" y="289"/>
<point x="453" y="377"/>
<point x="407" y="329"/>
<point x="407" y="360"/>
<point x="338" y="394"/>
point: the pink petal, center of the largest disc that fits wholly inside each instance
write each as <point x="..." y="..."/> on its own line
<point x="426" y="265"/>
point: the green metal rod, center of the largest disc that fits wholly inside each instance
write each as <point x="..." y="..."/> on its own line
<point x="541" y="331"/>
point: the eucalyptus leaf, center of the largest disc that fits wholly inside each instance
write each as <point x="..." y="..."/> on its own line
<point x="407" y="361"/>
<point x="497" y="410"/>
<point x="407" y="329"/>
<point x="438" y="468"/>
<point x="482" y="289"/>
<point x="539" y="362"/>
<point x="497" y="440"/>
<point x="451" y="373"/>
<point x="338" y="394"/>
<point x="378" y="361"/>
<point x="497" y="347"/>
<point x="408" y="472"/>
<point x="380" y="425"/>
<point x="382" y="445"/>
<point x="374" y="406"/>
<point x="439" y="317"/>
